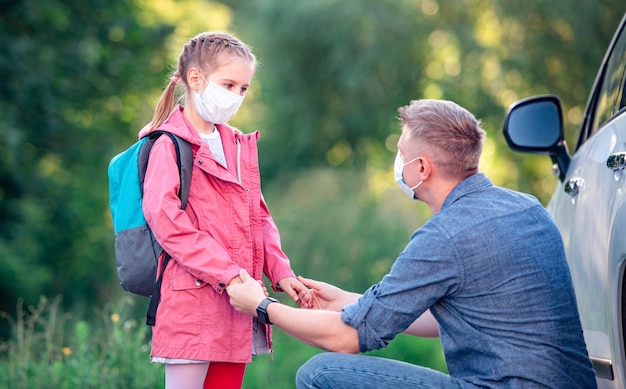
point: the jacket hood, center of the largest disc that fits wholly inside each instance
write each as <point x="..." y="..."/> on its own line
<point x="177" y="124"/>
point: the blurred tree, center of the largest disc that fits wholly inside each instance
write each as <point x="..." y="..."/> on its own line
<point x="334" y="73"/>
<point x="542" y="47"/>
<point x="79" y="79"/>
<point x="73" y="74"/>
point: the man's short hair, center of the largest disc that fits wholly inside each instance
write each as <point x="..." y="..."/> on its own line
<point x="451" y="135"/>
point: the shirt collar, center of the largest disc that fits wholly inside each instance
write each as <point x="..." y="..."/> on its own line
<point x="471" y="184"/>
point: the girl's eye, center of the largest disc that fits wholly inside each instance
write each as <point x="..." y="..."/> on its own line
<point x="228" y="86"/>
<point x="244" y="90"/>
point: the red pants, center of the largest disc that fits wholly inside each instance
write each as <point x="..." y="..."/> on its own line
<point x="224" y="375"/>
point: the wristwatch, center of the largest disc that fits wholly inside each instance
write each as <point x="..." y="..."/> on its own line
<point x="261" y="310"/>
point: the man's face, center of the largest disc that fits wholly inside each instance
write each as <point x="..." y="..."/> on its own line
<point x="409" y="153"/>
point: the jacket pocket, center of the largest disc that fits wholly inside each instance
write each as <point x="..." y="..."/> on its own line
<point x="186" y="281"/>
<point x="188" y="300"/>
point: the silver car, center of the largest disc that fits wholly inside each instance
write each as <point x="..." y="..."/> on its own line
<point x="589" y="202"/>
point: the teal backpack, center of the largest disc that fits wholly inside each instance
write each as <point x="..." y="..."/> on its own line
<point x="136" y="250"/>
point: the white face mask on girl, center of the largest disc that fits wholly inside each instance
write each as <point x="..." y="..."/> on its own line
<point x="216" y="104"/>
<point x="398" y="168"/>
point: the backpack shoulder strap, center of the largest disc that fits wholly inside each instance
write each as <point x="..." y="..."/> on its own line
<point x="185" y="166"/>
<point x="184" y="161"/>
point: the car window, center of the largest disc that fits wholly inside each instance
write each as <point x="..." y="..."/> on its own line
<point x="610" y="97"/>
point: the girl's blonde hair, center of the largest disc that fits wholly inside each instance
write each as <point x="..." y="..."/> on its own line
<point x="207" y="52"/>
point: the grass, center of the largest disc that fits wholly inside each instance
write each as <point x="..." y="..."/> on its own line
<point x="50" y="349"/>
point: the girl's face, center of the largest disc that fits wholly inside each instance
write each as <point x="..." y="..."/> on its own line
<point x="234" y="75"/>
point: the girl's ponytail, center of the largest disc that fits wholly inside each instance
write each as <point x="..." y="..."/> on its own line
<point x="165" y="104"/>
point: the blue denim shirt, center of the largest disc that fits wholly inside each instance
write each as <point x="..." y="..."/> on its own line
<point x="491" y="268"/>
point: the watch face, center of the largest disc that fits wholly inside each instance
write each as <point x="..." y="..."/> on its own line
<point x="261" y="310"/>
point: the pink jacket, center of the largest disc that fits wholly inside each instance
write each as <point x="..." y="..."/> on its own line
<point x="226" y="226"/>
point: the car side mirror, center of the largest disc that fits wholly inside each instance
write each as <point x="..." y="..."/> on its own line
<point x="535" y="125"/>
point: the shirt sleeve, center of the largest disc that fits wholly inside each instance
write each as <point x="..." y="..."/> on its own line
<point x="425" y="272"/>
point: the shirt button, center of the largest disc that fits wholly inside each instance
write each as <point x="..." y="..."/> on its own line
<point x="198" y="282"/>
<point x="222" y="285"/>
<point x="200" y="162"/>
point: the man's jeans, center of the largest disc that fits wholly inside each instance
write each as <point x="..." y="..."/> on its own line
<point x="343" y="371"/>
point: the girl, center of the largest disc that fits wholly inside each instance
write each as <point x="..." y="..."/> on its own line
<point x="226" y="226"/>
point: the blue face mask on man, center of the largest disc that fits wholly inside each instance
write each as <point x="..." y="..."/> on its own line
<point x="398" y="168"/>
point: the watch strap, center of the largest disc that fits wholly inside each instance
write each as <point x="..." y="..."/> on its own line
<point x="261" y="310"/>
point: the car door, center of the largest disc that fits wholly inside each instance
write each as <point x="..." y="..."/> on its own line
<point x="588" y="207"/>
<point x="589" y="202"/>
<point x="584" y="210"/>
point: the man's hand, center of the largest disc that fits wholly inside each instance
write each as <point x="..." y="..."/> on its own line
<point x="319" y="328"/>
<point x="246" y="296"/>
<point x="326" y="296"/>
<point x="237" y="280"/>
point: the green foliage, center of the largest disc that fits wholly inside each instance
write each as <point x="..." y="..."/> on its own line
<point x="335" y="230"/>
<point x="68" y="70"/>
<point x="110" y="352"/>
<point x="32" y="333"/>
<point x="334" y="73"/>
<point x="113" y="352"/>
<point x="80" y="78"/>
<point x="332" y="77"/>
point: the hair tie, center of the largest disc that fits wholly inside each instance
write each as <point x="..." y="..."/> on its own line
<point x="175" y="79"/>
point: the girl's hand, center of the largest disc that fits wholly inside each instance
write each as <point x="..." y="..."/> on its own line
<point x="267" y="294"/>
<point x="326" y="296"/>
<point x="297" y="291"/>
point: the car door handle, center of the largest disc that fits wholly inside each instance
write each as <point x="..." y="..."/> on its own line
<point x="572" y="187"/>
<point x="616" y="161"/>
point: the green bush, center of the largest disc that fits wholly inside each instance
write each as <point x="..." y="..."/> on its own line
<point x="110" y="352"/>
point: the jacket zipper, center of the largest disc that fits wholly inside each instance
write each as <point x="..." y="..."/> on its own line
<point x="238" y="160"/>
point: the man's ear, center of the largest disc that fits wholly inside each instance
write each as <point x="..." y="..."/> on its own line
<point x="425" y="168"/>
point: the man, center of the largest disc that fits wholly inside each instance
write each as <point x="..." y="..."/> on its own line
<point x="486" y="273"/>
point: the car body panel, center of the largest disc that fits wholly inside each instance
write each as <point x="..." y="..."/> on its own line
<point x="589" y="206"/>
<point x="586" y="221"/>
